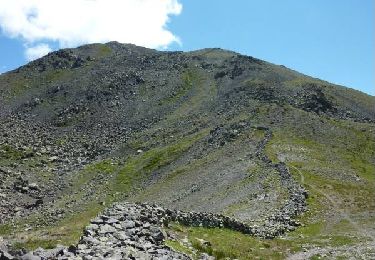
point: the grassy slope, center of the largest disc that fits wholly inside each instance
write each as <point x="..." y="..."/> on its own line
<point x="340" y="176"/>
<point x="341" y="211"/>
<point x="125" y="176"/>
<point x="341" y="204"/>
<point x="307" y="155"/>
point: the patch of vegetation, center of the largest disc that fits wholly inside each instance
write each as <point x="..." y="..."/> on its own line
<point x="225" y="243"/>
<point x="14" y="85"/>
<point x="70" y="229"/>
<point x="65" y="232"/>
<point x="189" y="78"/>
<point x="254" y="82"/>
<point x="124" y="179"/>
<point x="105" y="166"/>
<point x="33" y="244"/>
<point x="334" y="194"/>
<point x="103" y="50"/>
<point x="138" y="168"/>
<point x="257" y="134"/>
<point x="302" y="81"/>
<point x="54" y="75"/>
<point x="179" y="247"/>
<point x="5" y="229"/>
<point x="10" y="153"/>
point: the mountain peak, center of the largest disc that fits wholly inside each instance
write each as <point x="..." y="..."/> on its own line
<point x="216" y="138"/>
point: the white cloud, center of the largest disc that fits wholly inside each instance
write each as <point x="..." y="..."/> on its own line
<point x="75" y="22"/>
<point x="37" y="51"/>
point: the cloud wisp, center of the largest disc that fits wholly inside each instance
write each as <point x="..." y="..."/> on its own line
<point x="74" y="22"/>
<point x="37" y="51"/>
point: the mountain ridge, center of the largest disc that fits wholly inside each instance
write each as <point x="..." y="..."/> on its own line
<point x="209" y="130"/>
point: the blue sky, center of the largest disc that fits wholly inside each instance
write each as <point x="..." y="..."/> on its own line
<point x="333" y="40"/>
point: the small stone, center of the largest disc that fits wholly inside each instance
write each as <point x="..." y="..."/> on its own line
<point x="81" y="246"/>
<point x="5" y="255"/>
<point x="111" y="221"/>
<point x="146" y="225"/>
<point x="30" y="256"/>
<point x="92" y="227"/>
<point x="53" y="159"/>
<point x="129" y="224"/>
<point x="121" y="236"/>
<point x="106" y="229"/>
<point x="33" y="186"/>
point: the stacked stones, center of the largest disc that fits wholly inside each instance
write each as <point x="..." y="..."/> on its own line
<point x="125" y="231"/>
<point x="282" y="221"/>
<point x="136" y="231"/>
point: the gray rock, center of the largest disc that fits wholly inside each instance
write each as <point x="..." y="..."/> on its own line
<point x="30" y="256"/>
<point x="4" y="255"/>
<point x="50" y="253"/>
<point x="128" y="224"/>
<point x="106" y="229"/>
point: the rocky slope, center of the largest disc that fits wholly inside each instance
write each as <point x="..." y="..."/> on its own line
<point x="206" y="131"/>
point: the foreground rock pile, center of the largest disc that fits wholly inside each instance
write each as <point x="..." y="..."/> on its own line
<point x="134" y="231"/>
<point x="125" y="231"/>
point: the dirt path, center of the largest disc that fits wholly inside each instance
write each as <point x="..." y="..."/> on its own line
<point x="344" y="215"/>
<point x="335" y="205"/>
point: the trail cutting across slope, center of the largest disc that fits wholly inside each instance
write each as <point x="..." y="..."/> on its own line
<point x="365" y="249"/>
<point x="335" y="205"/>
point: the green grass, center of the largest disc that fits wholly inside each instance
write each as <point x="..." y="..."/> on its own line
<point x="65" y="232"/>
<point x="140" y="167"/>
<point x="302" y="81"/>
<point x="18" y="85"/>
<point x="189" y="78"/>
<point x="54" y="75"/>
<point x="123" y="179"/>
<point x="225" y="243"/>
<point x="5" y="229"/>
<point x="103" y="50"/>
<point x="24" y="86"/>
<point x="33" y="244"/>
<point x="9" y="152"/>
<point x="106" y="166"/>
<point x="313" y="157"/>
<point x="179" y="247"/>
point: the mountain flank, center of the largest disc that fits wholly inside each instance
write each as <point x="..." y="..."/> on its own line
<point x="289" y="158"/>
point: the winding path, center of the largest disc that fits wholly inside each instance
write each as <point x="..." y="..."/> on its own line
<point x="335" y="205"/>
<point x="357" y="250"/>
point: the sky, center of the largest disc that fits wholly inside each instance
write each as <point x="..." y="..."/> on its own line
<point x="332" y="40"/>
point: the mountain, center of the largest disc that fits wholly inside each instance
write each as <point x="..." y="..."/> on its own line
<point x="290" y="157"/>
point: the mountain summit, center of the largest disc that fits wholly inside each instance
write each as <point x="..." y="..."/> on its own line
<point x="243" y="148"/>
